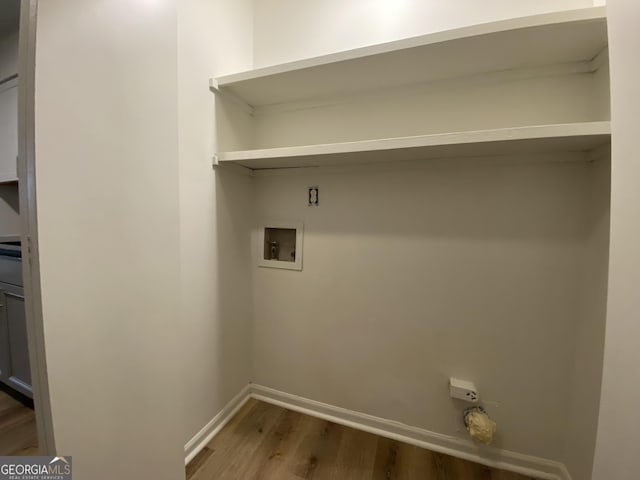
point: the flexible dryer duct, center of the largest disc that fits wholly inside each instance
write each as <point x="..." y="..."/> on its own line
<point x="479" y="425"/>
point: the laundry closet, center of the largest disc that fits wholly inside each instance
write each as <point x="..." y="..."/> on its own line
<point x="397" y="216"/>
<point x="451" y="192"/>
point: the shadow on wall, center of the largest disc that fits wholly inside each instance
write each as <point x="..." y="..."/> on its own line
<point x="215" y="281"/>
<point x="232" y="257"/>
<point x="233" y="220"/>
<point x="465" y="198"/>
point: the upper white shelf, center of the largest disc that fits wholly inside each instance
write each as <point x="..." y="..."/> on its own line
<point x="519" y="43"/>
<point x="570" y="137"/>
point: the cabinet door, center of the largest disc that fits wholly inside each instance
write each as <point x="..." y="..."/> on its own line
<point x="20" y="377"/>
<point x="9" y="131"/>
<point x="16" y="371"/>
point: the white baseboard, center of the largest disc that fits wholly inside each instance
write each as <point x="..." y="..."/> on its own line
<point x="564" y="474"/>
<point x="492" y="457"/>
<point x="204" y="436"/>
<point x="456" y="447"/>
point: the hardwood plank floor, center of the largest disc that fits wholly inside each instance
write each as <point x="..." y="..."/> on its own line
<point x="18" y="435"/>
<point x="267" y="442"/>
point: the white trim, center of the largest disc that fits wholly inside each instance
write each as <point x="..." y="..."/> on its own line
<point x="564" y="473"/>
<point x="456" y="447"/>
<point x="29" y="226"/>
<point x="210" y="430"/>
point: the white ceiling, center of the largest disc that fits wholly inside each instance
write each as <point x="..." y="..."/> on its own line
<point x="9" y="16"/>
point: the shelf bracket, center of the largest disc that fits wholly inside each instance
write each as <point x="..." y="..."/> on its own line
<point x="215" y="88"/>
<point x="228" y="166"/>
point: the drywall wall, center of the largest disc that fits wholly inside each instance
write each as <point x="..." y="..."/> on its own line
<point x="9" y="204"/>
<point x="411" y="274"/>
<point x="215" y="313"/>
<point x="619" y="424"/>
<point x="9" y="210"/>
<point x="8" y="56"/>
<point x="287" y="30"/>
<point x="589" y="333"/>
<point x="447" y="106"/>
<point x="108" y="206"/>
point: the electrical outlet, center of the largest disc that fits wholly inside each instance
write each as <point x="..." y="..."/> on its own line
<point x="314" y="196"/>
<point x="471" y="396"/>
<point x="463" y="390"/>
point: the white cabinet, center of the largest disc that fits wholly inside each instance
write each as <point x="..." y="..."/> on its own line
<point x="9" y="131"/>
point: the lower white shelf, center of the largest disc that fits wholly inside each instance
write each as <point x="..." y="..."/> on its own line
<point x="568" y="137"/>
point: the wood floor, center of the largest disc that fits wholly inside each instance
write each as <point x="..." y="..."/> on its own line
<point x="267" y="442"/>
<point x="18" y="435"/>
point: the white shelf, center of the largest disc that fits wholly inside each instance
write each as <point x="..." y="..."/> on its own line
<point x="4" y="179"/>
<point x="571" y="137"/>
<point x="570" y="37"/>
